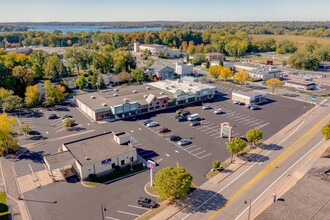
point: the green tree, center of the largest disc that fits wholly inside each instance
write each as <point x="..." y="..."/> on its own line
<point x="274" y="83"/>
<point x="53" y="67"/>
<point x="172" y="182"/>
<point x="81" y="82"/>
<point x="284" y="63"/>
<point x="93" y="80"/>
<point x="68" y="122"/>
<point x="53" y="93"/>
<point x="254" y="135"/>
<point x="7" y="142"/>
<point x="103" y="62"/>
<point x="32" y="96"/>
<point x="12" y="102"/>
<point x="199" y="58"/>
<point x="234" y="146"/>
<point x="236" y="48"/>
<point x="216" y="164"/>
<point x="207" y="63"/>
<point x="326" y="131"/>
<point x="286" y="46"/>
<point x="124" y="77"/>
<point x="167" y="54"/>
<point x="38" y="59"/>
<point x="304" y="60"/>
<point x="241" y="77"/>
<point x="138" y="75"/>
<point x="102" y="83"/>
<point x="150" y="61"/>
<point x="24" y="128"/>
<point x="4" y="94"/>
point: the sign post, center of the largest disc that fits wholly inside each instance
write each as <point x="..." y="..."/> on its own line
<point x="151" y="165"/>
<point x="313" y="98"/>
<point x="226" y="130"/>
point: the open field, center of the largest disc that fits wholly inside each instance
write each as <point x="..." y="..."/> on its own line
<point x="302" y="40"/>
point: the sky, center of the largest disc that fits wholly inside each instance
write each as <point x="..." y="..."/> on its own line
<point x="165" y="10"/>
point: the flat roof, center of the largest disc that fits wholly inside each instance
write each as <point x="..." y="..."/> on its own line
<point x="249" y="94"/>
<point x="96" y="148"/>
<point x="302" y="83"/>
<point x="58" y="158"/>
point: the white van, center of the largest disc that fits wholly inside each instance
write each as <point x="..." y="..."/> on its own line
<point x="193" y="117"/>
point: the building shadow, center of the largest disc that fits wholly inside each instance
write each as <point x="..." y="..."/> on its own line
<point x="146" y="154"/>
<point x="268" y="101"/>
<point x="252" y="157"/>
<point x="270" y="147"/>
<point x="195" y="202"/>
<point x="36" y="157"/>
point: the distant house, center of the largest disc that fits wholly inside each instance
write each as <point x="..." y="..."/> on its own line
<point x="265" y="73"/>
<point x="184" y="69"/>
<point x="161" y="71"/>
<point x="302" y="85"/>
<point x="156" y="48"/>
<point x="215" y="56"/>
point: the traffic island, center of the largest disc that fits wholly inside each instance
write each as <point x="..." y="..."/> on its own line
<point x="150" y="190"/>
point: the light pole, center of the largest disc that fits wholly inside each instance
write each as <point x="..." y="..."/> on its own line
<point x="162" y="121"/>
<point x="131" y="145"/>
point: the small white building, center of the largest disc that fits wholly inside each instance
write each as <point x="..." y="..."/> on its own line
<point x="265" y="73"/>
<point x="97" y="155"/>
<point x="156" y="48"/>
<point x="301" y="85"/>
<point x="248" y="97"/>
<point x="184" y="69"/>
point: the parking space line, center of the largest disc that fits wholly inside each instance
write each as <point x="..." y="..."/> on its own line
<point x="241" y="118"/>
<point x="128" y="213"/>
<point x="249" y="118"/>
<point x="190" y="147"/>
<point x="215" y="134"/>
<point x="256" y="123"/>
<point x="138" y="207"/>
<point x="238" y="116"/>
<point x="204" y="156"/>
<point x="235" y="115"/>
<point x="209" y="132"/>
<point x="261" y="126"/>
<point x="194" y="150"/>
<point x="111" y="218"/>
<point x="252" y="121"/>
<point x="200" y="152"/>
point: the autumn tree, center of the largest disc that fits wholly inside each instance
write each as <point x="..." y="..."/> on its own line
<point x="24" y="128"/>
<point x="53" y="93"/>
<point x="241" y="77"/>
<point x="53" y="67"/>
<point x="225" y="73"/>
<point x="234" y="146"/>
<point x="236" y="48"/>
<point x="254" y="135"/>
<point x="124" y="77"/>
<point x="12" y="102"/>
<point x="274" y="83"/>
<point x="138" y="75"/>
<point x="81" y="82"/>
<point x="326" y="131"/>
<point x="4" y="94"/>
<point x="24" y="75"/>
<point x="172" y="182"/>
<point x="7" y="142"/>
<point x="32" y="96"/>
<point x="214" y="71"/>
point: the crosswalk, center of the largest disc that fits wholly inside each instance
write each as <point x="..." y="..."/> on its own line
<point x="198" y="152"/>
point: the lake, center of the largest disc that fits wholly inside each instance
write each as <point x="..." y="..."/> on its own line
<point x="88" y="28"/>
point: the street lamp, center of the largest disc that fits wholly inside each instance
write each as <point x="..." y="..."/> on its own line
<point x="131" y="145"/>
<point x="162" y="121"/>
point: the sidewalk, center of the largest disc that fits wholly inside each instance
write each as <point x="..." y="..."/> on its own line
<point x="211" y="184"/>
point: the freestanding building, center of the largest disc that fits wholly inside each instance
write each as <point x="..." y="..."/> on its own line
<point x="249" y="97"/>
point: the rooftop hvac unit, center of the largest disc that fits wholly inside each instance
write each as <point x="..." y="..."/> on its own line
<point x="104" y="104"/>
<point x="134" y="91"/>
<point x="162" y="93"/>
<point x="126" y="100"/>
<point x="145" y="96"/>
<point x="147" y="87"/>
<point x="93" y="97"/>
<point x="115" y="94"/>
<point x="168" y="88"/>
<point x="87" y="158"/>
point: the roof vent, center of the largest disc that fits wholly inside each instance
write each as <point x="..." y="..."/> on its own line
<point x="145" y="96"/>
<point x="87" y="158"/>
<point x="134" y="91"/>
<point x="126" y="100"/>
<point x="93" y="97"/>
<point x="147" y="87"/>
<point x="116" y="90"/>
<point x="104" y="104"/>
<point x="115" y="94"/>
<point x="162" y="93"/>
<point x="168" y="88"/>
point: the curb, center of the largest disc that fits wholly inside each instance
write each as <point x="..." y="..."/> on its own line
<point x="149" y="193"/>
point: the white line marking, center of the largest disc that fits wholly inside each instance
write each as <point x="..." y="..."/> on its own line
<point x="204" y="156"/>
<point x="140" y="129"/>
<point x="215" y="134"/>
<point x="128" y="213"/>
<point x="215" y="194"/>
<point x="200" y="152"/>
<point x="176" y="151"/>
<point x="209" y="132"/>
<point x="111" y="218"/>
<point x="167" y="155"/>
<point x="138" y="207"/>
<point x="132" y="131"/>
<point x="194" y="150"/>
<point x="190" y="147"/>
<point x="281" y="176"/>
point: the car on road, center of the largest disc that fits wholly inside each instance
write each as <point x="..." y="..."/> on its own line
<point x="66" y="116"/>
<point x="218" y="111"/>
<point x="248" y="105"/>
<point x="175" y="138"/>
<point x="195" y="123"/>
<point x="146" y="202"/>
<point x="52" y="116"/>
<point x="238" y="102"/>
<point x="147" y="121"/>
<point x="206" y="107"/>
<point x="34" y="132"/>
<point x="163" y="130"/>
<point x="183" y="142"/>
<point x="152" y="124"/>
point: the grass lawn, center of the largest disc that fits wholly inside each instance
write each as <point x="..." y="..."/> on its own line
<point x="302" y="40"/>
<point x="4" y="215"/>
<point x="115" y="175"/>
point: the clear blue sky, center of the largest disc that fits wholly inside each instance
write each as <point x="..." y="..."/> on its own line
<point x="151" y="10"/>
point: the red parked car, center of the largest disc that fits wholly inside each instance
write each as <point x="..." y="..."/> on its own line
<point x="163" y="130"/>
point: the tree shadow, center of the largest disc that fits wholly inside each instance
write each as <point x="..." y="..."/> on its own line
<point x="270" y="147"/>
<point x="3" y="208"/>
<point x="252" y="157"/>
<point x="36" y="157"/>
<point x="196" y="202"/>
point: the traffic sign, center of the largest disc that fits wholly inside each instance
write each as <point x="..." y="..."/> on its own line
<point x="313" y="97"/>
<point x="151" y="164"/>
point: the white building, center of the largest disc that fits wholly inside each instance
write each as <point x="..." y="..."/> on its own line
<point x="97" y="155"/>
<point x="184" y="69"/>
<point x="248" y="97"/>
<point x="302" y="85"/>
<point x="265" y="73"/>
<point x="156" y="48"/>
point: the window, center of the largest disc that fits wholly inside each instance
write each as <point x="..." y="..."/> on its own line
<point x="122" y="162"/>
<point x="165" y="101"/>
<point x="113" y="165"/>
<point x="157" y="103"/>
<point x="132" y="159"/>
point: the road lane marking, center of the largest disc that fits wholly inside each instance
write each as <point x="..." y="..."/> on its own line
<point x="234" y="180"/>
<point x="261" y="126"/>
<point x="280" y="177"/>
<point x="176" y="151"/>
<point x="138" y="207"/>
<point x="111" y="218"/>
<point x="128" y="213"/>
<point x="280" y="158"/>
<point x="167" y="155"/>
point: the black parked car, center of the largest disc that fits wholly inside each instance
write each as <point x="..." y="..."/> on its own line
<point x="34" y="132"/>
<point x="185" y="113"/>
<point x="36" y="138"/>
<point x="146" y="202"/>
<point x="52" y="116"/>
<point x="175" y="138"/>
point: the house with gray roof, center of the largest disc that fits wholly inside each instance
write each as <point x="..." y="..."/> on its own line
<point x="161" y="71"/>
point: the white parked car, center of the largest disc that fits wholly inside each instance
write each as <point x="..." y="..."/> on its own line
<point x="152" y="124"/>
<point x="206" y="107"/>
<point x="184" y="142"/>
<point x="218" y="111"/>
<point x="193" y="117"/>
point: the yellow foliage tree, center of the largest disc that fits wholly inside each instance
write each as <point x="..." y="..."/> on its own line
<point x="31" y="96"/>
<point x="274" y="83"/>
<point x="241" y="77"/>
<point x="225" y="73"/>
<point x="215" y="71"/>
<point x="7" y="142"/>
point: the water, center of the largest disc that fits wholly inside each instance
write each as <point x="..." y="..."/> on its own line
<point x="86" y="28"/>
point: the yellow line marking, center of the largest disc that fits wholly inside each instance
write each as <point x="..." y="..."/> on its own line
<point x="274" y="163"/>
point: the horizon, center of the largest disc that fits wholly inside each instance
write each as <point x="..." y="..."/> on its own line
<point x="149" y="10"/>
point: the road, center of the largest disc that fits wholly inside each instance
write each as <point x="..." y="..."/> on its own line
<point x="256" y="182"/>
